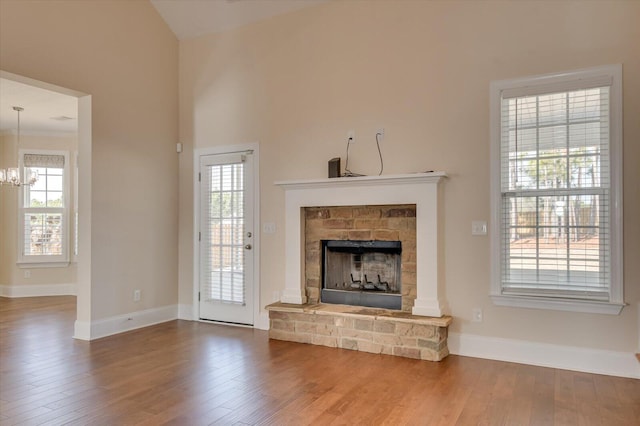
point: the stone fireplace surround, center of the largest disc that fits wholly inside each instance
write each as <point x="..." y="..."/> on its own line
<point x="420" y="330"/>
<point x="378" y="223"/>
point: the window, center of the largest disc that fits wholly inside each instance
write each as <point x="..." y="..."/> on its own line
<point x="44" y="209"/>
<point x="556" y="188"/>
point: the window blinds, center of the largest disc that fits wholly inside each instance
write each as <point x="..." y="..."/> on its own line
<point x="223" y="236"/>
<point x="555" y="191"/>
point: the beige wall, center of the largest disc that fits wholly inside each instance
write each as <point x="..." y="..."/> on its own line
<point x="123" y="55"/>
<point x="297" y="83"/>
<point x="10" y="273"/>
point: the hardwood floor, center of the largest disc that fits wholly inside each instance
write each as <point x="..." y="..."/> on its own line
<point x="190" y="373"/>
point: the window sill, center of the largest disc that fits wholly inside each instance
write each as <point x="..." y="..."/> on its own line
<point x="555" y="304"/>
<point x="33" y="265"/>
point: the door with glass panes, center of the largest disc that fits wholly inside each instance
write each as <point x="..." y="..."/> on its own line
<point x="226" y="238"/>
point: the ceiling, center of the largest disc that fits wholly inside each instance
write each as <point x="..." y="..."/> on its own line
<point x="192" y="18"/>
<point x="43" y="108"/>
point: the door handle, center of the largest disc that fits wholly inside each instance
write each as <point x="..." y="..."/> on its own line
<point x="248" y="247"/>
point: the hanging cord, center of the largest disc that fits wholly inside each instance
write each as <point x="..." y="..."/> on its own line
<point x="379" y="153"/>
<point x="347" y="172"/>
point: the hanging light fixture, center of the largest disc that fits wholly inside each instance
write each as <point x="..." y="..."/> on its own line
<point x="11" y="175"/>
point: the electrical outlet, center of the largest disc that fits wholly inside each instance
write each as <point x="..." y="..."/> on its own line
<point x="27" y="273"/>
<point x="351" y="136"/>
<point x="136" y="295"/>
<point x="476" y="315"/>
<point x="380" y="134"/>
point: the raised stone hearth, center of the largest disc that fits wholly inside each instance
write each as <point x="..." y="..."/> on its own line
<point x="379" y="331"/>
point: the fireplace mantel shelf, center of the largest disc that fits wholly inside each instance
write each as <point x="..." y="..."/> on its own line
<point x="408" y="178"/>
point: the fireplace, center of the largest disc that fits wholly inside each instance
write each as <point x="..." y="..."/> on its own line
<point x="362" y="273"/>
<point x="423" y="290"/>
<point x="343" y="218"/>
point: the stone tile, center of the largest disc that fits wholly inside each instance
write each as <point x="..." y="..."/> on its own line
<point x="387" y="350"/>
<point x="409" y="256"/>
<point x="317" y="234"/>
<point x="330" y="341"/>
<point x="338" y="224"/>
<point x="357" y="334"/>
<point x="346" y="343"/>
<point x="343" y="322"/>
<point x="398" y="223"/>
<point x="400" y="211"/>
<point x="323" y="319"/>
<point x="316" y="213"/>
<point x="430" y="355"/>
<point x="407" y="352"/>
<point x="363" y="324"/>
<point x="313" y="292"/>
<point x="361" y="234"/>
<point x="275" y="315"/>
<point x="300" y="317"/>
<point x="312" y="256"/>
<point x="367" y="212"/>
<point x="385" y="235"/>
<point x="409" y="267"/>
<point x="305" y="327"/>
<point x="430" y="344"/>
<point x="282" y="325"/>
<point x="388" y="339"/>
<point x="341" y="212"/>
<point x="370" y="223"/>
<point x="408" y="278"/>
<point x="403" y="328"/>
<point x="371" y="347"/>
<point x="409" y="341"/>
<point x="384" y="326"/>
<point x="326" y="330"/>
<point x="291" y="337"/>
<point x="424" y="331"/>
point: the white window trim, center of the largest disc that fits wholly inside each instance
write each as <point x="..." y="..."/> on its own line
<point x="44" y="261"/>
<point x="560" y="80"/>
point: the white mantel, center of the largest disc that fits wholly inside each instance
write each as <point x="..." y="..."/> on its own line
<point x="420" y="189"/>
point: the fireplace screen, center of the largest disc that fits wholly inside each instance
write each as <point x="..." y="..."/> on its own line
<point x="363" y="273"/>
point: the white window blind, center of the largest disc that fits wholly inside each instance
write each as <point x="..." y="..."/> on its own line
<point x="44" y="210"/>
<point x="223" y="236"/>
<point x="555" y="194"/>
<point x="555" y="222"/>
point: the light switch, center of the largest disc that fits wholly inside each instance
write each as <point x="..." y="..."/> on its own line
<point x="478" y="227"/>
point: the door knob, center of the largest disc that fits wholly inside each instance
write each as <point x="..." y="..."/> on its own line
<point x="248" y="246"/>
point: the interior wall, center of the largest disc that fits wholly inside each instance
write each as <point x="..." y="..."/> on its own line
<point x="298" y="83"/>
<point x="11" y="274"/>
<point x="124" y="55"/>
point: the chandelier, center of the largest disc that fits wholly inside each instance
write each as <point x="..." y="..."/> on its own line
<point x="11" y="175"/>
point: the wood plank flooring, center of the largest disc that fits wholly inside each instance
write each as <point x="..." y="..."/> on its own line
<point x="190" y="373"/>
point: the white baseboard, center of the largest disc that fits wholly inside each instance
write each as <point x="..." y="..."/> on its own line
<point x="121" y="323"/>
<point x="82" y="330"/>
<point x="185" y="312"/>
<point x="587" y="360"/>
<point x="37" y="290"/>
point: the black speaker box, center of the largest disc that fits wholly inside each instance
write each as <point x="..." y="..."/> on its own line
<point x="334" y="167"/>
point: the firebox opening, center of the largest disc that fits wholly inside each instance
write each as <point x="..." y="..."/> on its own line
<point x="362" y="273"/>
